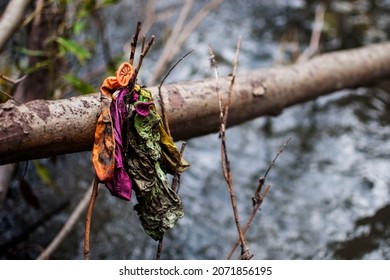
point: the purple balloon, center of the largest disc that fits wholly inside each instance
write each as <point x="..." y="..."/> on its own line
<point x="120" y="185"/>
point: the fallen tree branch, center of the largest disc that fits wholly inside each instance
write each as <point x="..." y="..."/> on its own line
<point x="44" y="128"/>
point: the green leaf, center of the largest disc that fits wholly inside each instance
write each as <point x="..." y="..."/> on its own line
<point x="43" y="172"/>
<point x="29" y="52"/>
<point x="108" y="2"/>
<point x="79" y="85"/>
<point x="78" y="27"/>
<point x="37" y="66"/>
<point x="81" y="53"/>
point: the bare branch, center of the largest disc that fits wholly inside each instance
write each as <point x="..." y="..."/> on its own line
<point x="88" y="219"/>
<point x="68" y="226"/>
<point x="10" y="19"/>
<point x="163" y="111"/>
<point x="315" y="35"/>
<point x="166" y="54"/>
<point x="176" y="176"/>
<point x="232" y="80"/>
<point x="133" y="44"/>
<point x="181" y="34"/>
<point x="224" y="154"/>
<point x="258" y="197"/>
<point x="144" y="51"/>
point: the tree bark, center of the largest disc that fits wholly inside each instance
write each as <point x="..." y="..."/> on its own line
<point x="45" y="128"/>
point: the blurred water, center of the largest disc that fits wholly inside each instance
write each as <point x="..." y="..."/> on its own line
<point x="330" y="188"/>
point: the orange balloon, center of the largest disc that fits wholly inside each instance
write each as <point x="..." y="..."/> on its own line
<point x="103" y="151"/>
<point x="124" y="74"/>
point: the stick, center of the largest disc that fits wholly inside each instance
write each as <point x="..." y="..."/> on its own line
<point x="175" y="186"/>
<point x="88" y="219"/>
<point x="133" y="44"/>
<point x="315" y="35"/>
<point x="176" y="177"/>
<point x="68" y="226"/>
<point x="144" y="51"/>
<point x="163" y="110"/>
<point x="159" y="248"/>
<point x="245" y="254"/>
<point x="10" y="19"/>
<point x="182" y="36"/>
<point x="258" y="197"/>
<point x="235" y="63"/>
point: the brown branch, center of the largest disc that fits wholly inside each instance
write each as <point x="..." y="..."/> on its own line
<point x="167" y="54"/>
<point x="144" y="51"/>
<point x="163" y="111"/>
<point x="232" y="80"/>
<point x="315" y="35"/>
<point x="10" y="19"/>
<point x="159" y="248"/>
<point x="88" y="218"/>
<point x="133" y="44"/>
<point x="245" y="254"/>
<point x="180" y="34"/>
<point x="176" y="176"/>
<point x="5" y="178"/>
<point x="68" y="226"/>
<point x="175" y="186"/>
<point x="258" y="197"/>
<point x="43" y="128"/>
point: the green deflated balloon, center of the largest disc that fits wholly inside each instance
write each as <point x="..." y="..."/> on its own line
<point x="150" y="154"/>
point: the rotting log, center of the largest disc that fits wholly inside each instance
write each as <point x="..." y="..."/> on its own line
<point x="44" y="128"/>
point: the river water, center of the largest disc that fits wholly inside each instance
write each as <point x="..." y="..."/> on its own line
<point x="330" y="188"/>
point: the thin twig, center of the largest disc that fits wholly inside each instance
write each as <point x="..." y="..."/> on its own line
<point x="194" y="22"/>
<point x="12" y="81"/>
<point x="232" y="80"/>
<point x="163" y="111"/>
<point x="245" y="254"/>
<point x="143" y="44"/>
<point x="182" y="36"/>
<point x="167" y="54"/>
<point x="10" y="97"/>
<point x="259" y="196"/>
<point x="5" y="178"/>
<point x="159" y="248"/>
<point x="170" y="70"/>
<point x="315" y="35"/>
<point x="133" y="44"/>
<point x="68" y="226"/>
<point x="150" y="16"/>
<point x="143" y="54"/>
<point x="175" y="187"/>
<point x="176" y="176"/>
<point x="88" y="219"/>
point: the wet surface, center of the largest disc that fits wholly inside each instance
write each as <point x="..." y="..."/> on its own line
<point x="330" y="188"/>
